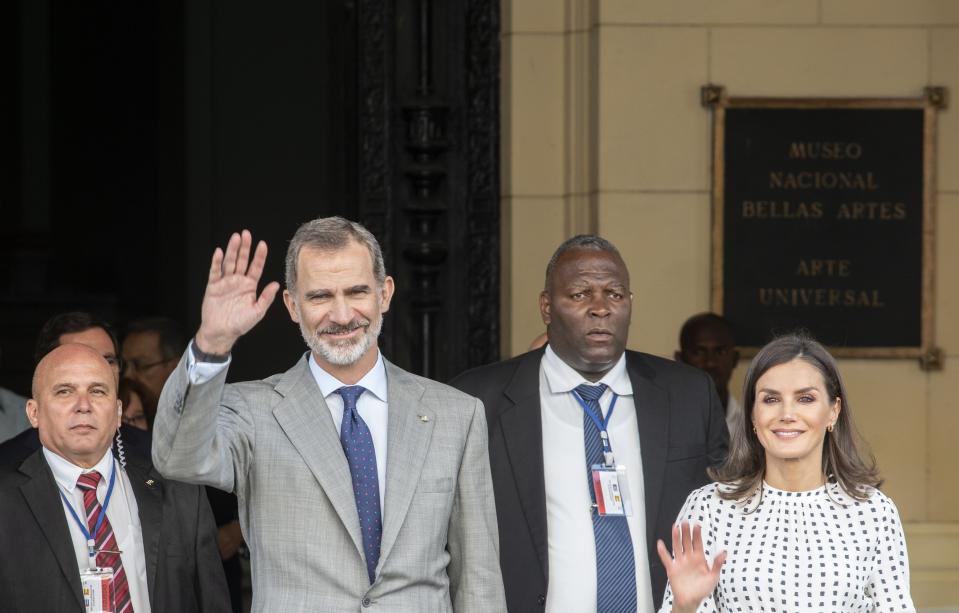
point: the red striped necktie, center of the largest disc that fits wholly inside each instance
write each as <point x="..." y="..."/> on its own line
<point x="105" y="541"/>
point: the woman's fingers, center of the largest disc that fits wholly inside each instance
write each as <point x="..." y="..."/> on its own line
<point x="686" y="533"/>
<point x="697" y="539"/>
<point x="664" y="555"/>
<point x="677" y="541"/>
<point x="687" y="540"/>
<point x="718" y="562"/>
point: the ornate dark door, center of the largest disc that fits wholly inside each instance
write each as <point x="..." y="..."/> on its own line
<point x="429" y="174"/>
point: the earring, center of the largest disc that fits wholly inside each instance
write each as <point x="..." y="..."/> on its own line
<point x="755" y="431"/>
<point x="830" y="427"/>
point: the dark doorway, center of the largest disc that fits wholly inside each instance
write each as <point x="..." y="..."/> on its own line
<point x="142" y="134"/>
<point x="271" y="118"/>
<point x="82" y="224"/>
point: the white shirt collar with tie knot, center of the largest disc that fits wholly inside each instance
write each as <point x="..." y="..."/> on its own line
<point x="67" y="473"/>
<point x="374" y="381"/>
<point x="562" y="379"/>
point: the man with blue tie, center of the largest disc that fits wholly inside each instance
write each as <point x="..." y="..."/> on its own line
<point x="593" y="448"/>
<point x="361" y="486"/>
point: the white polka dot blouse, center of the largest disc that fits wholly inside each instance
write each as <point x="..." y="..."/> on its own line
<point x="819" y="550"/>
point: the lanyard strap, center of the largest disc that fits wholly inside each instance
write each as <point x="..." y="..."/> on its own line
<point x="600" y="423"/>
<point x="103" y="513"/>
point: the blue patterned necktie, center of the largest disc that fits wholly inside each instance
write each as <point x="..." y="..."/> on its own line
<point x="615" y="565"/>
<point x="358" y="446"/>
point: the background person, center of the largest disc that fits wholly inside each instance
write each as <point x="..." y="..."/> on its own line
<point x="79" y="327"/>
<point x="13" y="417"/>
<point x="86" y="329"/>
<point x="707" y="342"/>
<point x="795" y="506"/>
<point x="139" y="408"/>
<point x="151" y="348"/>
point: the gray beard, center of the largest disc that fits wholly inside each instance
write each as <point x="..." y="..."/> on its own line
<point x="344" y="353"/>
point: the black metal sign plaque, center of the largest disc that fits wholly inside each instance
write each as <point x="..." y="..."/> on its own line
<point x="823" y="219"/>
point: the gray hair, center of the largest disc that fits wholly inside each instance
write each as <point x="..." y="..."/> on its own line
<point x="332" y="234"/>
<point x="580" y="241"/>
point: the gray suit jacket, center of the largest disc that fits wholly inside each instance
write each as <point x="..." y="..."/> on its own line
<point x="273" y="442"/>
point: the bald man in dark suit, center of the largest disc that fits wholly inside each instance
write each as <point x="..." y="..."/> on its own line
<point x="163" y="529"/>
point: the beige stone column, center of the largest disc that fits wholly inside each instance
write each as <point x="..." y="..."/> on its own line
<point x="603" y="132"/>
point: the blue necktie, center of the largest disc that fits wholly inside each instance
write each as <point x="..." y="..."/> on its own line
<point x="358" y="446"/>
<point x="615" y="565"/>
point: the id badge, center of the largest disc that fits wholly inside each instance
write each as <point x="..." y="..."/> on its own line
<point x="97" y="585"/>
<point x="612" y="490"/>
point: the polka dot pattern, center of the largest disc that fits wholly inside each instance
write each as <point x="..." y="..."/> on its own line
<point x="358" y="446"/>
<point x="819" y="550"/>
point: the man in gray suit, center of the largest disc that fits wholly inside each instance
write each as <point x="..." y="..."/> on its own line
<point x="361" y="486"/>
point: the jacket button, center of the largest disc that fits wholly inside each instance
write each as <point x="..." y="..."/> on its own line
<point x="541" y="599"/>
<point x="367" y="602"/>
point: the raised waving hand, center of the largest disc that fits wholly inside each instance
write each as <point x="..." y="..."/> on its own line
<point x="691" y="578"/>
<point x="231" y="306"/>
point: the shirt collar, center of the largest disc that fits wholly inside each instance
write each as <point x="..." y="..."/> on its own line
<point x="562" y="378"/>
<point x="374" y="381"/>
<point x="66" y="472"/>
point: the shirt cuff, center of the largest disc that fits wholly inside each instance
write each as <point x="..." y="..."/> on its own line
<point x="201" y="372"/>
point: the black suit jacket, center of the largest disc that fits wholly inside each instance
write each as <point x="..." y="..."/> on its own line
<point x="39" y="569"/>
<point x="682" y="431"/>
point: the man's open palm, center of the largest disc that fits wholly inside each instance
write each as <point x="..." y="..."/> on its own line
<point x="231" y="306"/>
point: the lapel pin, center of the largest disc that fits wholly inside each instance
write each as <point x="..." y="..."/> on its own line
<point x="424" y="418"/>
<point x="150" y="482"/>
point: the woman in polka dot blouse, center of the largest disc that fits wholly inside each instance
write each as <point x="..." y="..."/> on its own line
<point x="794" y="521"/>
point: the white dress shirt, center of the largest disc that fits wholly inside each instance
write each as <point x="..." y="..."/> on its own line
<point x="122" y="512"/>
<point x="572" y="545"/>
<point x="371" y="405"/>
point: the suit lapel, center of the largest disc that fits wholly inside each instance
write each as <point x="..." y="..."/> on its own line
<point x="306" y="420"/>
<point x="521" y="424"/>
<point x="149" y="498"/>
<point x="40" y="492"/>
<point x="652" y="416"/>
<point x="408" y="441"/>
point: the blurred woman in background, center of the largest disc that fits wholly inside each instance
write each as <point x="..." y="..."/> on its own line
<point x="139" y="406"/>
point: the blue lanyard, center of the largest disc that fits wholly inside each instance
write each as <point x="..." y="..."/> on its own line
<point x="91" y="543"/>
<point x="601" y="424"/>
